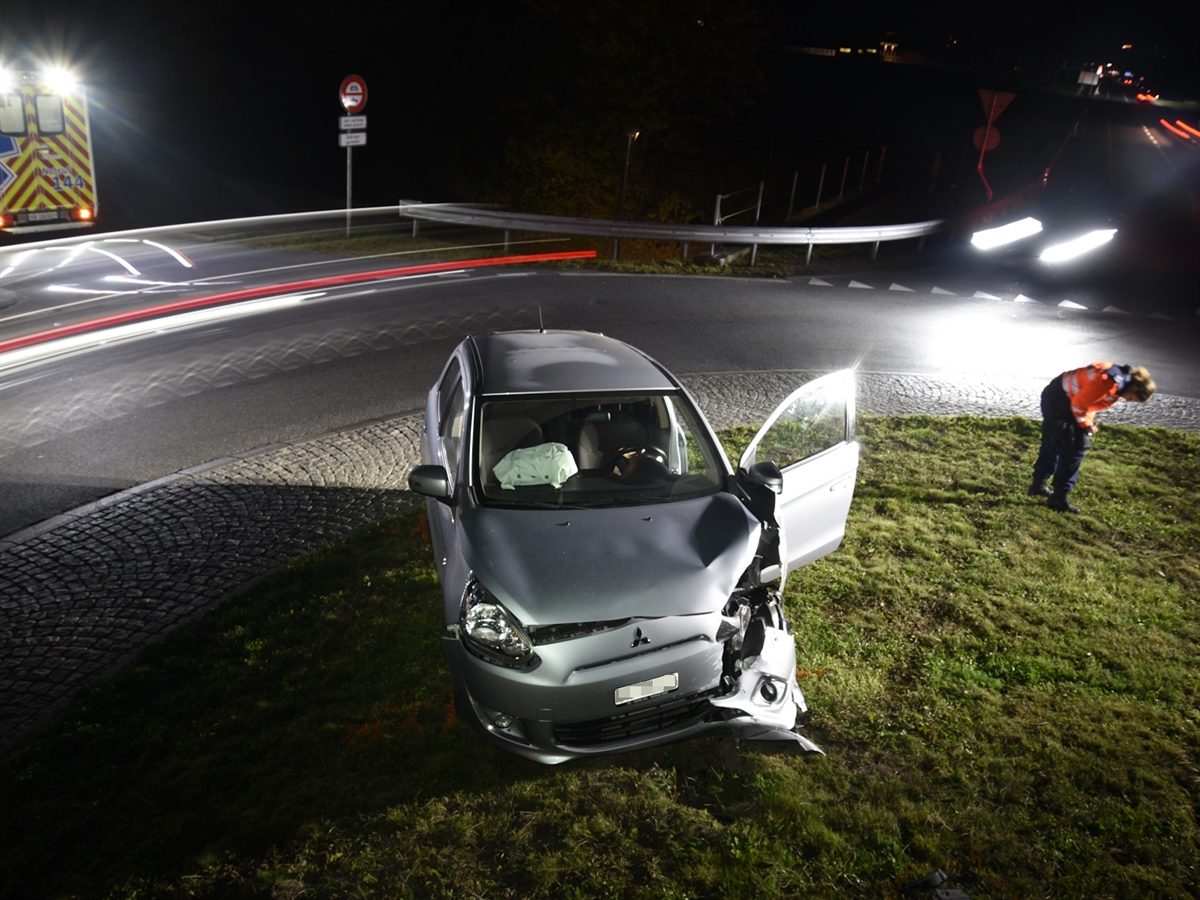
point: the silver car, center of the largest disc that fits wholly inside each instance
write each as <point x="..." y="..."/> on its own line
<point x="610" y="582"/>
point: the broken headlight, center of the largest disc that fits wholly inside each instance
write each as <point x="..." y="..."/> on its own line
<point x="491" y="632"/>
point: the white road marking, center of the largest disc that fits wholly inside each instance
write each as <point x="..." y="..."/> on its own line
<point x="938" y="290"/>
<point x="984" y="295"/>
<point x="179" y="257"/>
<point x="859" y="284"/>
<point x="128" y="268"/>
<point x="1071" y="304"/>
<point x="819" y="282"/>
<point x="1115" y="309"/>
<point x="514" y="274"/>
<point x="1021" y="298"/>
<point x="1163" y="316"/>
<point x="900" y="287"/>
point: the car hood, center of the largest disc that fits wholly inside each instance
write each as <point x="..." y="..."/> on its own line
<point x="591" y="565"/>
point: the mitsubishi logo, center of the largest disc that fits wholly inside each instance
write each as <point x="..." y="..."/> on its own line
<point x="638" y="639"/>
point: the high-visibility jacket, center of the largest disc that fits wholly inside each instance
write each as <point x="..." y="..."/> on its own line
<point x="1093" y="388"/>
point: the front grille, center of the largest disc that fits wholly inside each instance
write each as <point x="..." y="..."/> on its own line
<point x="639" y="723"/>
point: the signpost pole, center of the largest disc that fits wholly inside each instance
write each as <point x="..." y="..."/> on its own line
<point x="353" y="96"/>
<point x="983" y="149"/>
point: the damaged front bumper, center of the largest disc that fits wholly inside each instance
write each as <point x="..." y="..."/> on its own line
<point x="731" y="672"/>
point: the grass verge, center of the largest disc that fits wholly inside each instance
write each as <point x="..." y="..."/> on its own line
<point x="1005" y="692"/>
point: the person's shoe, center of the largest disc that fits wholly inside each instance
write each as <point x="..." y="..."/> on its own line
<point x="1058" y="500"/>
<point x="1039" y="488"/>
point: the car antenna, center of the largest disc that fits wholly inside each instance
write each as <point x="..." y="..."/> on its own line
<point x="541" y="325"/>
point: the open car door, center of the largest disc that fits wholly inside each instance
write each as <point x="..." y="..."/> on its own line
<point x="810" y="436"/>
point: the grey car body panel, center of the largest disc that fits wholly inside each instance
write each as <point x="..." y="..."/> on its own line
<point x="531" y="362"/>
<point x="581" y="565"/>
<point x="669" y="567"/>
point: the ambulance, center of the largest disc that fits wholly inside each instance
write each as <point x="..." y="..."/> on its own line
<point x="47" y="177"/>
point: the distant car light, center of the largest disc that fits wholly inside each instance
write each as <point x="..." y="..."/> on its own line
<point x="1077" y="247"/>
<point x="83" y="214"/>
<point x="1175" y="131"/>
<point x="5" y="81"/>
<point x="1005" y="234"/>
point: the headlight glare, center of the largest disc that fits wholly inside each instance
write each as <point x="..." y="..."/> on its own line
<point x="492" y="630"/>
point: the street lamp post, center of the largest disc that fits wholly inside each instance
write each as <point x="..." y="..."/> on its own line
<point x="631" y="135"/>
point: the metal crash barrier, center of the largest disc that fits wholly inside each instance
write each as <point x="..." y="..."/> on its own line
<point x="747" y="235"/>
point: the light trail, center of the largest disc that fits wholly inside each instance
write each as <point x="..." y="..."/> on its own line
<point x="153" y="312"/>
<point x="217" y="279"/>
<point x="137" y="329"/>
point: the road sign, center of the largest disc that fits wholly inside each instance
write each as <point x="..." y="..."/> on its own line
<point x="352" y="139"/>
<point x="988" y="133"/>
<point x="353" y="94"/>
<point x="352" y="123"/>
<point x="994" y="103"/>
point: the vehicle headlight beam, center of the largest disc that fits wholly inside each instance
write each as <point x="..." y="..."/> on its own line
<point x="1005" y="234"/>
<point x="1077" y="247"/>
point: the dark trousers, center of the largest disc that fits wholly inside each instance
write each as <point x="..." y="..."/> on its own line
<point x="1064" y="443"/>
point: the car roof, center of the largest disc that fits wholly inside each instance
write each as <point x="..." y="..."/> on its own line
<point x="538" y="362"/>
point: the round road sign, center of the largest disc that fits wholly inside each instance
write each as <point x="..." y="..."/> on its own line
<point x="993" y="138"/>
<point x="353" y="94"/>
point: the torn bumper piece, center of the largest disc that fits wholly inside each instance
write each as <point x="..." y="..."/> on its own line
<point x="768" y="695"/>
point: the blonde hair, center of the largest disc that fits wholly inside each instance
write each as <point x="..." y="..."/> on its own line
<point x="1140" y="383"/>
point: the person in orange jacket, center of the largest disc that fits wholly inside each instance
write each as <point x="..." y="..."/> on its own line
<point x="1069" y="405"/>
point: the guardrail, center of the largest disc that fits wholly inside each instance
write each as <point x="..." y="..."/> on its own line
<point x="686" y="234"/>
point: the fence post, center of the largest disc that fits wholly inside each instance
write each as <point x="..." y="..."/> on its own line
<point x="937" y="161"/>
<point x="862" y="179"/>
<point x="808" y="254"/>
<point x="882" y="157"/>
<point x="792" y="198"/>
<point x="506" y="241"/>
<point x="921" y="243"/>
<point x="845" y="172"/>
<point x="712" y="251"/>
<point x="685" y="245"/>
<point x="757" y="212"/>
<point x="874" y="251"/>
<point x="820" y="186"/>
<point x="414" y="227"/>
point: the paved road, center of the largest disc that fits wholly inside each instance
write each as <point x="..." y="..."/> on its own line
<point x="110" y="416"/>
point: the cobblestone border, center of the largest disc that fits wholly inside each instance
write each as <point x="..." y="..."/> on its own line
<point x="83" y="592"/>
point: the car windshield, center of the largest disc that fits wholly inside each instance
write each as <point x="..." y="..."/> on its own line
<point x="597" y="450"/>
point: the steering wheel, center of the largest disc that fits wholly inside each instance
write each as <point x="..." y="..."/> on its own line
<point x="628" y="460"/>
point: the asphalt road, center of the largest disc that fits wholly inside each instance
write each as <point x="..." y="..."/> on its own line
<point x="109" y="416"/>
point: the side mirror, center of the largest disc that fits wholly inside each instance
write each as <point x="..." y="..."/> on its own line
<point x="767" y="474"/>
<point x="432" y="481"/>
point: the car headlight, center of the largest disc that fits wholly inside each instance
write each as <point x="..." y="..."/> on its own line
<point x="491" y="631"/>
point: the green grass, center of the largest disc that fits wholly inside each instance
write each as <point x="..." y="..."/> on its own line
<point x="1005" y="692"/>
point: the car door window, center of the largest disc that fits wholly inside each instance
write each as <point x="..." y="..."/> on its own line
<point x="450" y="417"/>
<point x="810" y="436"/>
<point x="811" y="424"/>
<point x="49" y="114"/>
<point x="12" y="114"/>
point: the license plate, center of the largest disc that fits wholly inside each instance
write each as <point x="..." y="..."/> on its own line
<point x="644" y="690"/>
<point x="43" y="216"/>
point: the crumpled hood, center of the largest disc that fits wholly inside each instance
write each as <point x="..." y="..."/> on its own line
<point x="588" y="565"/>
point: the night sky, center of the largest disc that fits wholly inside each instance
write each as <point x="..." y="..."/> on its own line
<point x="206" y="110"/>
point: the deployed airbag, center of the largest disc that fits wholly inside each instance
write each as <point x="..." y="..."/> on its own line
<point x="550" y="463"/>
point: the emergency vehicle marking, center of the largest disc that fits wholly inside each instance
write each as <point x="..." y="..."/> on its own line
<point x="50" y="171"/>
